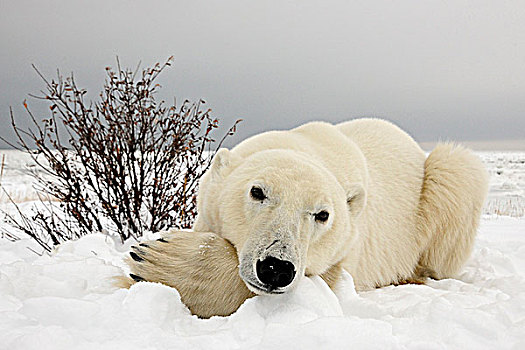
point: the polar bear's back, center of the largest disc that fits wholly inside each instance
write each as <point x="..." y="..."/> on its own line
<point x="395" y="165"/>
<point x="393" y="157"/>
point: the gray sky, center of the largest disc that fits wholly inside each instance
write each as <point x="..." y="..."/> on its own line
<point x="441" y="69"/>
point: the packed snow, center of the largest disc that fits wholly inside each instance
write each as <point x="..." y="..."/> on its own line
<point x="67" y="300"/>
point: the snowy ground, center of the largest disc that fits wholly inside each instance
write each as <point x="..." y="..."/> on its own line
<point x="67" y="301"/>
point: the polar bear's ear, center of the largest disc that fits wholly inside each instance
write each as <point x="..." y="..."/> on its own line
<point x="356" y="198"/>
<point x="221" y="160"/>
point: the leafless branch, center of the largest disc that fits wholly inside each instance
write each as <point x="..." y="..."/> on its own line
<point x="125" y="163"/>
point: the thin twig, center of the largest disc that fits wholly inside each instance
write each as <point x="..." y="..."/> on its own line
<point x="2" y="169"/>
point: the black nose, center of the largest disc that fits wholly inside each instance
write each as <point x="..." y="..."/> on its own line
<point x="275" y="272"/>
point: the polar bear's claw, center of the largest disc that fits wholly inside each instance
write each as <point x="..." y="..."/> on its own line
<point x="136" y="278"/>
<point x="135" y="257"/>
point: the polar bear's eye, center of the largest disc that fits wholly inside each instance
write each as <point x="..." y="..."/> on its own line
<point x="322" y="216"/>
<point x="257" y="194"/>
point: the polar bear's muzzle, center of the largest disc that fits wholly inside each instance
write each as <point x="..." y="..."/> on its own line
<point x="268" y="275"/>
<point x="270" y="269"/>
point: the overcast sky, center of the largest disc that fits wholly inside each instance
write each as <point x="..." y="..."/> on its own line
<point x="441" y="69"/>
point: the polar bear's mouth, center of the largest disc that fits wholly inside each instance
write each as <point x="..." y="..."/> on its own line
<point x="263" y="289"/>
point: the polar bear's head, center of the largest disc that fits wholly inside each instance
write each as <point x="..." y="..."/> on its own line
<point x="285" y="214"/>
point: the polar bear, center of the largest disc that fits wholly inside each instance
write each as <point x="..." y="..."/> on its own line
<point x="360" y="196"/>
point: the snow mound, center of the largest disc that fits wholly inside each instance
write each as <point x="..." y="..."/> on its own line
<point x="68" y="301"/>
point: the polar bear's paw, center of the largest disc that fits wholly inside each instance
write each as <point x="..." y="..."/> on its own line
<point x="202" y="266"/>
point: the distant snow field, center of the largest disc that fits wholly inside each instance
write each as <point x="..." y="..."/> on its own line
<point x="67" y="300"/>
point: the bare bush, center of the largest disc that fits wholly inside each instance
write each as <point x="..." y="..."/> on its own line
<point x="125" y="163"/>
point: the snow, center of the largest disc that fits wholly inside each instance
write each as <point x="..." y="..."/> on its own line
<point x="66" y="300"/>
<point x="507" y="185"/>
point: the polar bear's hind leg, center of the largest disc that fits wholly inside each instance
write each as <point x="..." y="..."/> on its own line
<point x="454" y="189"/>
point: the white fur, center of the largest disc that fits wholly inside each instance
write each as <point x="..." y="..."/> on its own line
<point x="395" y="216"/>
<point x="369" y="175"/>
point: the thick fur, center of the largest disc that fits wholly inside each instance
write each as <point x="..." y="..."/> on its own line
<point x="202" y="266"/>
<point x="454" y="190"/>
<point x="395" y="216"/>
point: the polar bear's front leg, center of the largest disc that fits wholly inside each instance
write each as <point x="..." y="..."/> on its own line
<point x="202" y="266"/>
<point x="333" y="275"/>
